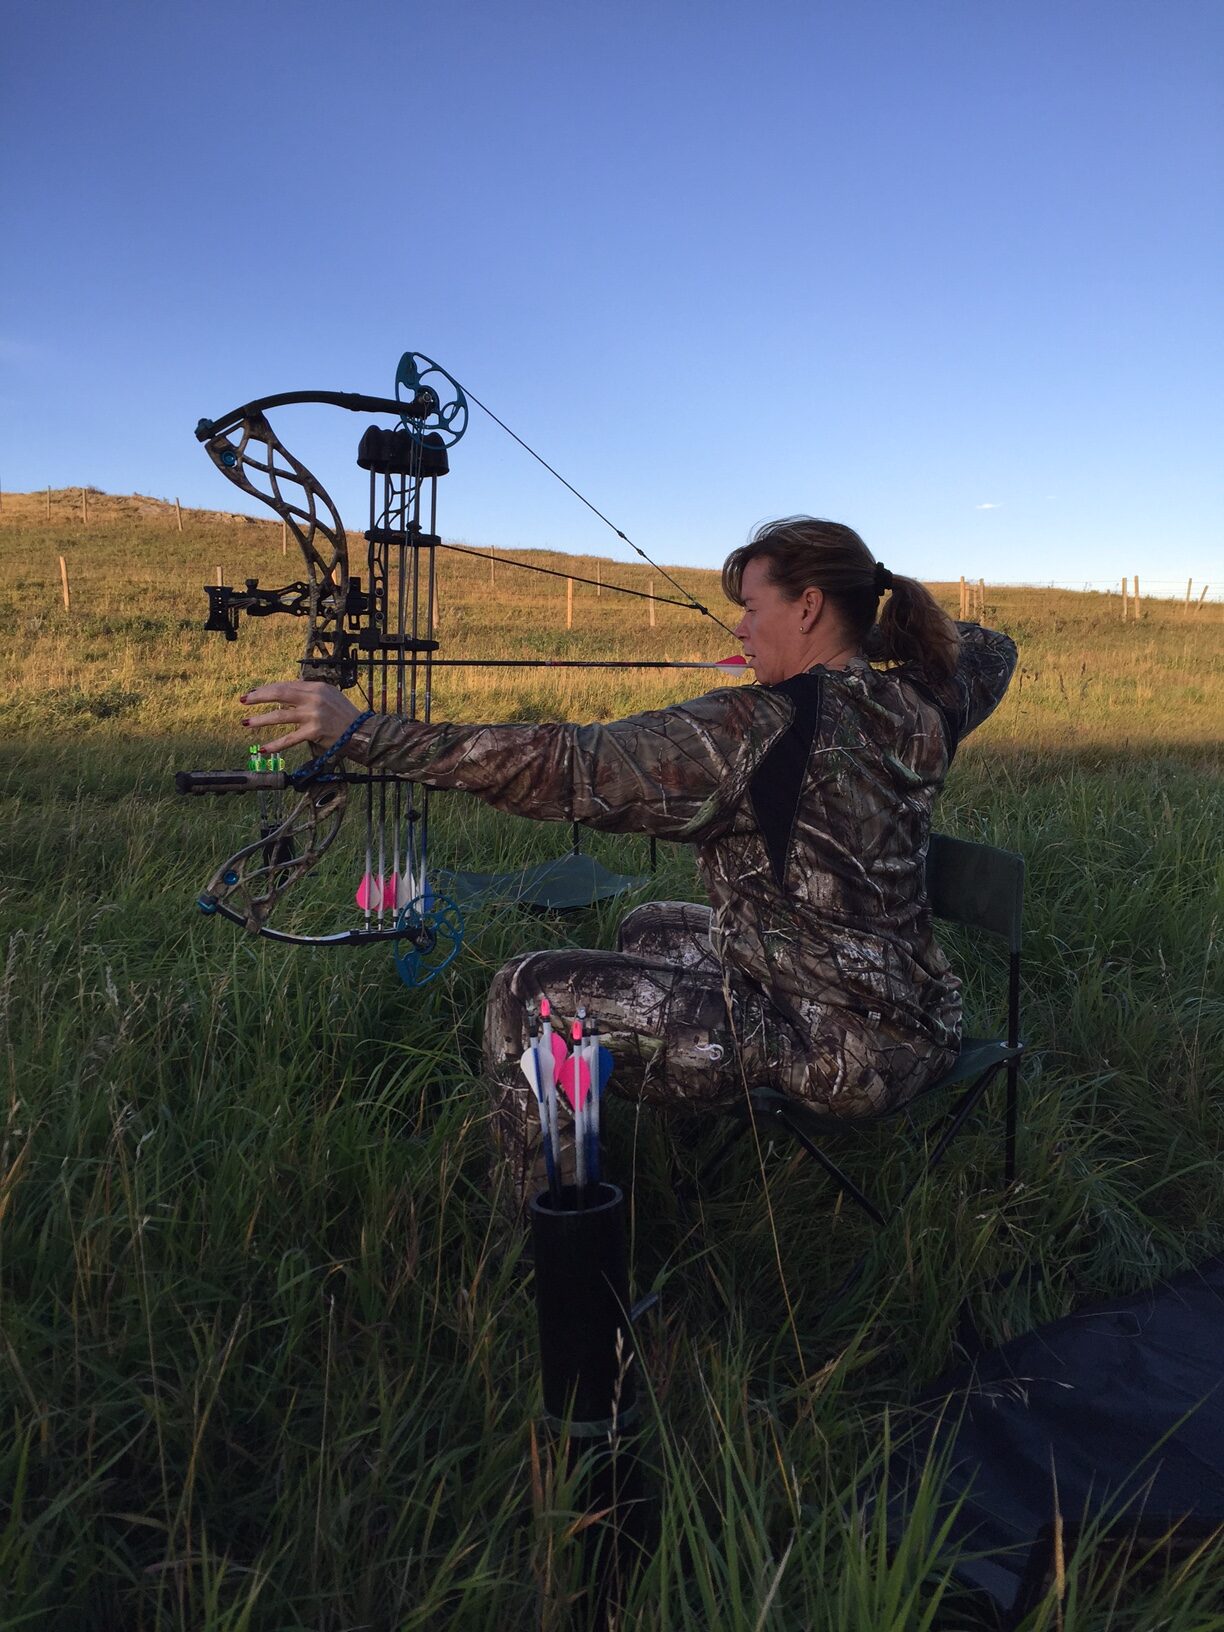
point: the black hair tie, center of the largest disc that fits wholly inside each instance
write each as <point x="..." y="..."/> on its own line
<point x="883" y="578"/>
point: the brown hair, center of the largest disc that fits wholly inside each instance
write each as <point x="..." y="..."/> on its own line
<point x="804" y="553"/>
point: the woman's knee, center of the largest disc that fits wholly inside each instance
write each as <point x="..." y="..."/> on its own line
<point x="506" y="1013"/>
<point x="566" y="978"/>
<point x="676" y="930"/>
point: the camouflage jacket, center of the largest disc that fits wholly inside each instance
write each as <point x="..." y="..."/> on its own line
<point x="808" y="804"/>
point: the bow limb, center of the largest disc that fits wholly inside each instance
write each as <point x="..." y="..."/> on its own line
<point x="251" y="883"/>
<point x="350" y="634"/>
<point x="259" y="463"/>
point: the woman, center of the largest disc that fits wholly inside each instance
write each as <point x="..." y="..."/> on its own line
<point x="807" y="798"/>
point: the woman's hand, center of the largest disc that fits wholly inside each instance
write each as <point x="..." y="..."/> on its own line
<point x="315" y="712"/>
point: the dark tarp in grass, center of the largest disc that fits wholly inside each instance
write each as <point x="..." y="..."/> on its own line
<point x="1122" y="1403"/>
<point x="562" y="885"/>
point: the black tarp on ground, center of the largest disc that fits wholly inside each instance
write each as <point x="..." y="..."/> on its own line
<point x="562" y="885"/>
<point x="1123" y="1400"/>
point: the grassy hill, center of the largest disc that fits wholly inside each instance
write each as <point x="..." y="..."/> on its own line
<point x="261" y="1363"/>
<point x="1087" y="679"/>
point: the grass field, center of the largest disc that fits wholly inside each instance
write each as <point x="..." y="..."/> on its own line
<point x="260" y="1364"/>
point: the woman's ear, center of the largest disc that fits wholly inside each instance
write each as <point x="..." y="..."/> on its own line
<point x="813" y="602"/>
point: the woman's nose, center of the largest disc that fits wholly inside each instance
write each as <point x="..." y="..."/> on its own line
<point x="740" y="632"/>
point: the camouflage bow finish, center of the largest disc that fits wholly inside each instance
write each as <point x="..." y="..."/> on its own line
<point x="343" y="647"/>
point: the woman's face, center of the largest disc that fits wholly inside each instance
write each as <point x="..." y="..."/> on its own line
<point x="774" y="631"/>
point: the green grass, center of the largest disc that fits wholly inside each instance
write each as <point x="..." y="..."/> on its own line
<point x="261" y="1363"/>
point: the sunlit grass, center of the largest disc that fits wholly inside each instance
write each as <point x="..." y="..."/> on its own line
<point x="262" y="1362"/>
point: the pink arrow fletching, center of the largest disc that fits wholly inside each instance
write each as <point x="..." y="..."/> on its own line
<point x="575" y="1081"/>
<point x="370" y="893"/>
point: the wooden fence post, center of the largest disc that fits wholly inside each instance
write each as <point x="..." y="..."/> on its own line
<point x="284" y="536"/>
<point x="85" y="505"/>
<point x="569" y="603"/>
<point x="598" y="581"/>
<point x="1123" y="597"/>
<point x="650" y="587"/>
<point x="178" y="511"/>
<point x="48" y="503"/>
<point x="1189" y="587"/>
<point x="1138" y="606"/>
<point x="220" y="576"/>
<point x="64" y="583"/>
<point x="1202" y="596"/>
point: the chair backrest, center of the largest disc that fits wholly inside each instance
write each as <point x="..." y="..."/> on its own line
<point x="978" y="885"/>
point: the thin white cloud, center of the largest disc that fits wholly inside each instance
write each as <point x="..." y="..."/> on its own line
<point x="988" y="507"/>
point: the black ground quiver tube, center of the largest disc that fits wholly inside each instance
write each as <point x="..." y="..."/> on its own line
<point x="590" y="1370"/>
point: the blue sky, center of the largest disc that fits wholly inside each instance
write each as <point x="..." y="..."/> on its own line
<point x="948" y="270"/>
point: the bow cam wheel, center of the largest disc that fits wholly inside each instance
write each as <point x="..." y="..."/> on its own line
<point x="433" y="934"/>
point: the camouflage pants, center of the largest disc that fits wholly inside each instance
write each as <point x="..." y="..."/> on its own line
<point x="684" y="1031"/>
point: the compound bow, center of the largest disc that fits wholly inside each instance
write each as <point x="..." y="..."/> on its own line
<point x="379" y="639"/>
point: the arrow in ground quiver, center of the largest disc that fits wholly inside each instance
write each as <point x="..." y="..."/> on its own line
<point x="378" y="640"/>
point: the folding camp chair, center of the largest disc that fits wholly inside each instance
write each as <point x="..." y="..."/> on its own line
<point x="967" y="883"/>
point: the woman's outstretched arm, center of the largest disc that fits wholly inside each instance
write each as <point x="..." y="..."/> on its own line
<point x="676" y="772"/>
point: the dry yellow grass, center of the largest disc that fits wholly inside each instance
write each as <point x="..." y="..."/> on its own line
<point x="1087" y="680"/>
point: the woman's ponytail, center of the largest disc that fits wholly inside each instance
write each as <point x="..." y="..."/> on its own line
<point x="912" y="627"/>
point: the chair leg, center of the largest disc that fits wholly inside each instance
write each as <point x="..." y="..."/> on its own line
<point x="687" y="1191"/>
<point x="952" y="1125"/>
<point x="1013" y="1098"/>
<point x="843" y="1181"/>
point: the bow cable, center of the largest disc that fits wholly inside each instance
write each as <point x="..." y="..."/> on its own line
<point x="553" y="572"/>
<point x="689" y="599"/>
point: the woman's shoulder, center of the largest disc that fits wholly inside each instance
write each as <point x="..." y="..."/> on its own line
<point x="892" y="709"/>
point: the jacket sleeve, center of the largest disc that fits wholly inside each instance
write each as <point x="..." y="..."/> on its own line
<point x="676" y="772"/>
<point x="984" y="667"/>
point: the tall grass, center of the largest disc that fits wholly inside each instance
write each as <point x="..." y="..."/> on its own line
<point x="266" y="1361"/>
